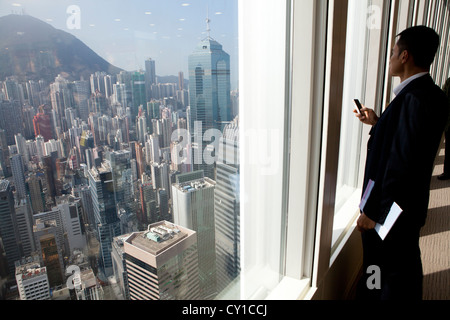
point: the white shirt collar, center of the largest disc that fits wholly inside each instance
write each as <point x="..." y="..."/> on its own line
<point x="402" y="85"/>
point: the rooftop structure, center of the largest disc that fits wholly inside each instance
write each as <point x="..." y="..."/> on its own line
<point x="157" y="238"/>
<point x="194" y="185"/>
<point x="166" y="254"/>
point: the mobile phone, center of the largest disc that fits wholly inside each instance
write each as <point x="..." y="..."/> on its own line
<point x="358" y="105"/>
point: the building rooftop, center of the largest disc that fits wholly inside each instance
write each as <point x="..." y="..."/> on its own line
<point x="30" y="270"/>
<point x="3" y="185"/>
<point x="158" y="237"/>
<point x="190" y="186"/>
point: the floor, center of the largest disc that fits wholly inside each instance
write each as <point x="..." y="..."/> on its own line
<point x="435" y="237"/>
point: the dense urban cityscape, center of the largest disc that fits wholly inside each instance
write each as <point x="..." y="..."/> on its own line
<point x="120" y="185"/>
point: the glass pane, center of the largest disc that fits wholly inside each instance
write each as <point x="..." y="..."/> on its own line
<point x="354" y="88"/>
<point x="120" y="137"/>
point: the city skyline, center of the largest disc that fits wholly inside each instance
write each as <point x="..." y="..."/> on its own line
<point x="90" y="157"/>
<point x="127" y="35"/>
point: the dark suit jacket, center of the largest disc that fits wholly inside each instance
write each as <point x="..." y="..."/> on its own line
<point x="402" y="149"/>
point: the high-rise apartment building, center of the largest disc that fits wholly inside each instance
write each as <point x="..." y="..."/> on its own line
<point x="43" y="125"/>
<point x="193" y="208"/>
<point x="141" y="128"/>
<point x="162" y="263"/>
<point x="81" y="94"/>
<point x="13" y="90"/>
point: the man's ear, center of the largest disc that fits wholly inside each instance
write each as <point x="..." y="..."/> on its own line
<point x="405" y="56"/>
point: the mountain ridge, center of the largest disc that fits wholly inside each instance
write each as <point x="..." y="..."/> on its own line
<point x="31" y="49"/>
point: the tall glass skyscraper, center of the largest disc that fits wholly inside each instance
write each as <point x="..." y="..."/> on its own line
<point x="8" y="226"/>
<point x="209" y="90"/>
<point x="227" y="208"/>
<point x="209" y="85"/>
<point x="138" y="91"/>
<point x="122" y="177"/>
<point x="106" y="220"/>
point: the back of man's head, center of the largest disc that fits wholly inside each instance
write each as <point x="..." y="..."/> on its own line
<point x="421" y="42"/>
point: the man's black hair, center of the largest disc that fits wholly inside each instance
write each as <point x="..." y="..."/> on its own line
<point x="421" y="42"/>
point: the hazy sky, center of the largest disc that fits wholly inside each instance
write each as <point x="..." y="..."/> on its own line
<point x="127" y="32"/>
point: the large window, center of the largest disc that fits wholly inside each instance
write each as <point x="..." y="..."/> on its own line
<point x="362" y="80"/>
<point x="231" y="120"/>
<point x="132" y="100"/>
<point x="356" y="53"/>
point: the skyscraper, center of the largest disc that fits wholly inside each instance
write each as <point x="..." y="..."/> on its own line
<point x="24" y="218"/>
<point x="138" y="91"/>
<point x="141" y="128"/>
<point x="11" y="120"/>
<point x="119" y="162"/>
<point x="51" y="253"/>
<point x="209" y="84"/>
<point x="18" y="172"/>
<point x="193" y="208"/>
<point x="81" y="94"/>
<point x="107" y="222"/>
<point x="71" y="214"/>
<point x="42" y="125"/>
<point x="226" y="207"/>
<point x="13" y="90"/>
<point x="4" y="154"/>
<point x="209" y="90"/>
<point x="36" y="193"/>
<point x="8" y="226"/>
<point x="162" y="263"/>
<point x="150" y="76"/>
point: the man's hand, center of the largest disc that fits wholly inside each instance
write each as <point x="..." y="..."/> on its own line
<point x="364" y="223"/>
<point x="367" y="116"/>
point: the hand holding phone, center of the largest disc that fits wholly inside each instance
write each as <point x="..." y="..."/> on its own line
<point x="368" y="116"/>
<point x="358" y="105"/>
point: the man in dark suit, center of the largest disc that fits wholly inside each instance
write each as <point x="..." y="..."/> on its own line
<point x="401" y="151"/>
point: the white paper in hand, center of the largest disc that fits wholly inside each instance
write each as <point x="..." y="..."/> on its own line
<point x="393" y="215"/>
